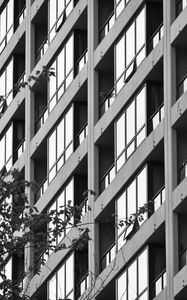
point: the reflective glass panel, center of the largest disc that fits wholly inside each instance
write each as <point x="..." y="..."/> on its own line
<point x="3" y="24"/>
<point x="52" y="288"/>
<point x="69" y="127"/>
<point x="52" y="82"/>
<point x="61" y="68"/>
<point x="130" y="44"/>
<point x="9" y="77"/>
<point x="142" y="187"/>
<point x="130" y="115"/>
<point x="52" y="149"/>
<point x="69" y="274"/>
<point x="120" y="134"/>
<point x="131" y="198"/>
<point x="140" y="109"/>
<point x="60" y="138"/>
<point x="2" y="151"/>
<point x="143" y="271"/>
<point x="69" y="55"/>
<point x="140" y="30"/>
<point x="9" y="143"/>
<point x="10" y="14"/>
<point x="122" y="287"/>
<point x="61" y="283"/>
<point x="132" y="281"/>
<point x="52" y="13"/>
<point x="121" y="211"/>
<point x="120" y="57"/>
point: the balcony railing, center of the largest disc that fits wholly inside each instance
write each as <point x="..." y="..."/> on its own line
<point x="84" y="206"/>
<point x="181" y="4"/>
<point x="41" y="51"/>
<point x="84" y="284"/>
<point x="20" y="149"/>
<point x="42" y="189"/>
<point x="156" y="37"/>
<point x="82" y="134"/>
<point x="82" y="61"/>
<point x="108" y="257"/>
<point x="182" y="87"/>
<point x="109" y="99"/>
<point x="20" y="81"/>
<point x="107" y="178"/>
<point x="157" y="117"/>
<point x="183" y="171"/>
<point x="183" y="258"/>
<point x="107" y="26"/>
<point x="159" y="283"/>
<point x="159" y="198"/>
<point x="41" y="120"/>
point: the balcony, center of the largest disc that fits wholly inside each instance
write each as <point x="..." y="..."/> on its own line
<point x="157" y="116"/>
<point x="159" y="198"/>
<point x="41" y="190"/>
<point x="84" y="284"/>
<point x="182" y="87"/>
<point x="107" y="26"/>
<point x="20" y="149"/>
<point x="108" y="257"/>
<point x="183" y="171"/>
<point x="109" y="99"/>
<point x="159" y="283"/>
<point x="41" y="51"/>
<point x="156" y="37"/>
<point x="82" y="61"/>
<point x="107" y="178"/>
<point x="182" y="258"/>
<point x="82" y="134"/>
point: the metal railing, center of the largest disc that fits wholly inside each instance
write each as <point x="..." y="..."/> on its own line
<point x="107" y="26"/>
<point x="159" y="198"/>
<point x="41" y="120"/>
<point x="82" y="134"/>
<point x="182" y="86"/>
<point x="42" y="49"/>
<point x="84" y="284"/>
<point x="183" y="171"/>
<point x="180" y="5"/>
<point x="20" y="149"/>
<point x="159" y="283"/>
<point x="156" y="37"/>
<point x="157" y="116"/>
<point x="82" y="61"/>
<point x="42" y="189"/>
<point x="109" y="99"/>
<point x="183" y="258"/>
<point x="108" y="256"/>
<point x="107" y="178"/>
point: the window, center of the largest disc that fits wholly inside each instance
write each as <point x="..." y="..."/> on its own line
<point x="60" y="144"/>
<point x="61" y="285"/>
<point x="66" y="195"/>
<point x="133" y="283"/>
<point x="119" y="6"/>
<point x="130" y="128"/>
<point x="59" y="10"/>
<point x="130" y="51"/>
<point x="6" y="144"/>
<point x="134" y="196"/>
<point x="63" y="68"/>
<point x="6" y="24"/>
<point x="6" y="83"/>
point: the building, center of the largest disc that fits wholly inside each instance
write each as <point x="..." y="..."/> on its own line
<point x="110" y="122"/>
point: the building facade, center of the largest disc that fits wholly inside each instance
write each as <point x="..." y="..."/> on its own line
<point x="108" y="131"/>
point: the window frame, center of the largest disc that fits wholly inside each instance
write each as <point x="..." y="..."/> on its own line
<point x="5" y="71"/>
<point x="10" y="159"/>
<point x="63" y="153"/>
<point x="6" y="38"/>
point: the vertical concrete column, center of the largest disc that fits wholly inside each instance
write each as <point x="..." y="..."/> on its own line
<point x="92" y="149"/>
<point x="29" y="127"/>
<point x="170" y="150"/>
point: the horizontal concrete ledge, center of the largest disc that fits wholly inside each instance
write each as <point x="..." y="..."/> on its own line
<point x="11" y="109"/>
<point x="58" y="110"/>
<point x="129" y="168"/>
<point x="180" y="280"/>
<point x="63" y="175"/>
<point x="179" y="194"/>
<point x="35" y="7"/>
<point x="178" y="25"/>
<point x="178" y="109"/>
<point x="130" y="250"/>
<point x="128" y="90"/>
<point x="116" y="29"/>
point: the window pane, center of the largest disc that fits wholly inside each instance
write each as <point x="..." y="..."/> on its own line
<point x="69" y="274"/>
<point x="9" y="143"/>
<point x="142" y="272"/>
<point x="140" y="109"/>
<point x="60" y="138"/>
<point x="60" y="7"/>
<point x="10" y="14"/>
<point x="2" y="151"/>
<point x="142" y="187"/>
<point x="60" y="76"/>
<point x="52" y="82"/>
<point x="69" y="193"/>
<point x="52" y="149"/>
<point x="121" y="210"/>
<point x="8" y="269"/>
<point x="61" y="283"/>
<point x="140" y="30"/>
<point x="3" y="24"/>
<point x="69" y="127"/>
<point x="130" y="44"/>
<point x="9" y="77"/>
<point x="131" y="198"/>
<point x="2" y="85"/>
<point x="130" y="115"/>
<point x="120" y="134"/>
<point x="52" y="13"/>
<point x="122" y="287"/>
<point x="120" y="57"/>
<point x="69" y="55"/>
<point x="52" y="288"/>
<point x="132" y="281"/>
